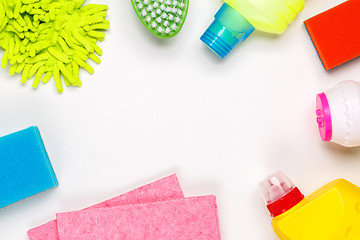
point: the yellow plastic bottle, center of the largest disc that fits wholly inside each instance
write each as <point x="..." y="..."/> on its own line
<point x="237" y="19"/>
<point x="330" y="213"/>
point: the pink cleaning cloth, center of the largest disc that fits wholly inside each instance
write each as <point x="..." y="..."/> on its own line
<point x="164" y="189"/>
<point x="182" y="219"/>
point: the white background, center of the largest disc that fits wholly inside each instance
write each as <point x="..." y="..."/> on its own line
<point x="156" y="107"/>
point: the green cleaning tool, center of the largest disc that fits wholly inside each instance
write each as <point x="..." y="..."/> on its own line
<point x="51" y="38"/>
<point x="163" y="18"/>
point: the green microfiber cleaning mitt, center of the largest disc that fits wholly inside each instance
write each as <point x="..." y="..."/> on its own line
<point x="45" y="38"/>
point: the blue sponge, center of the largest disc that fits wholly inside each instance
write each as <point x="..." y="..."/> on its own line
<point x="25" y="168"/>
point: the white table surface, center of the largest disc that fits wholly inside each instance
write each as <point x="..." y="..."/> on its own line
<point x="157" y="107"/>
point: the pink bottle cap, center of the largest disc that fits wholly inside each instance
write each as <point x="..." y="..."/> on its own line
<point x="324" y="117"/>
<point x="280" y="194"/>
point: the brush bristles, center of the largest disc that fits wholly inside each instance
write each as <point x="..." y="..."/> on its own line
<point x="164" y="16"/>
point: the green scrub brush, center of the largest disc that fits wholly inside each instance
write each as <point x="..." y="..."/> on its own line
<point x="163" y="18"/>
<point x="51" y="38"/>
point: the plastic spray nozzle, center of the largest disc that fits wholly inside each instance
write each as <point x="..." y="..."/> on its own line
<point x="227" y="30"/>
<point x="279" y="193"/>
<point x="275" y="187"/>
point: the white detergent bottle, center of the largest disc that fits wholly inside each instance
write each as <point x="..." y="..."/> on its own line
<point x="338" y="114"/>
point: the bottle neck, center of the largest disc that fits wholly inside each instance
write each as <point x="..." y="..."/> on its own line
<point x="228" y="29"/>
<point x="285" y="203"/>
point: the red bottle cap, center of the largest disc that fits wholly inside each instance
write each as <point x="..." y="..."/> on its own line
<point x="280" y="194"/>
